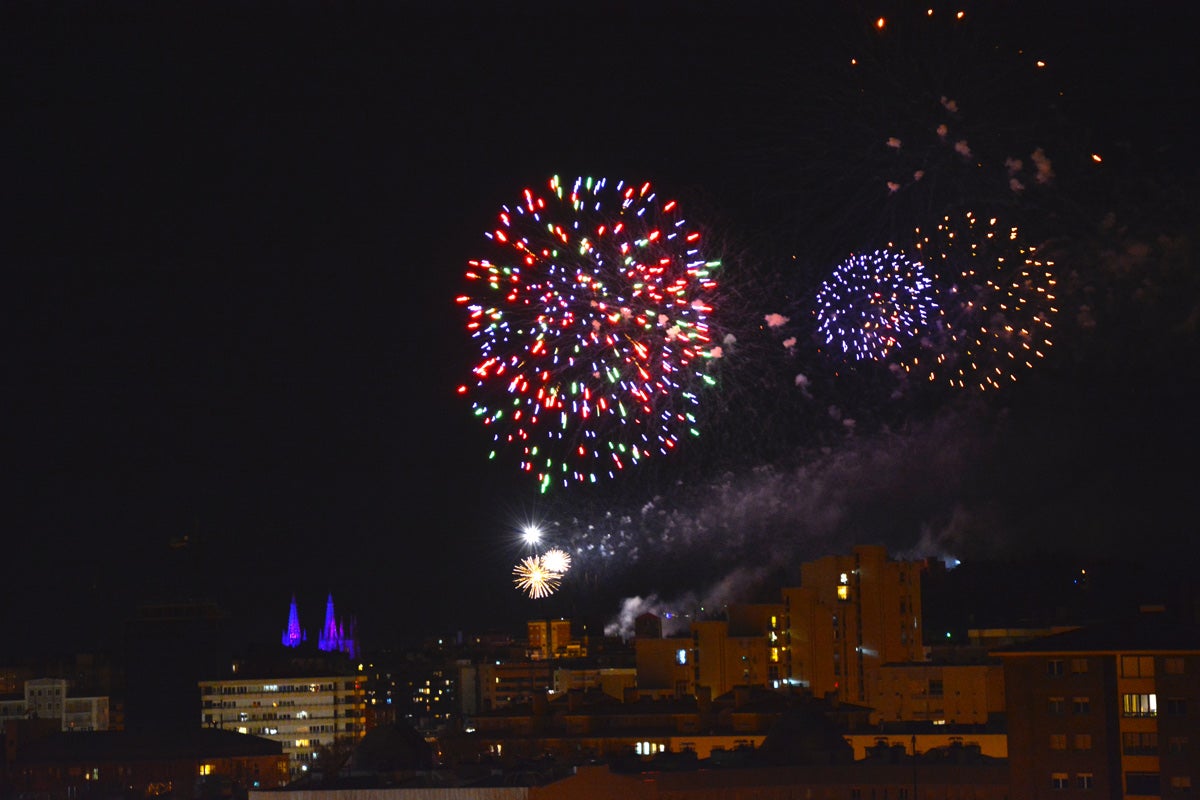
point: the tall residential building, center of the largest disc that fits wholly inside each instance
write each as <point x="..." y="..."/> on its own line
<point x="765" y="621"/>
<point x="665" y="667"/>
<point x="723" y="661"/>
<point x="1109" y="710"/>
<point x="850" y="615"/>
<point x="551" y="638"/>
<point x="303" y="711"/>
<point x="719" y="655"/>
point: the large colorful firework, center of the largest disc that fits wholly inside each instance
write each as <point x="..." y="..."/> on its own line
<point x="873" y="304"/>
<point x="592" y="324"/>
<point x="997" y="308"/>
<point x="533" y="577"/>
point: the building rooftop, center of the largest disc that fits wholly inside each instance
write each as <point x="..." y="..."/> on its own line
<point x="1145" y="632"/>
<point x="200" y="743"/>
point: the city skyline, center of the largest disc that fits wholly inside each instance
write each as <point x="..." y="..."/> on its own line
<point x="234" y="347"/>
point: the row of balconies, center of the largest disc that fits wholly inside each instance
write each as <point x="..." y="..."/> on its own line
<point x="270" y="688"/>
<point x="307" y="718"/>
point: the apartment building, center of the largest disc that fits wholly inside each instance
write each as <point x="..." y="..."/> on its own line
<point x="1108" y="710"/>
<point x="50" y="699"/>
<point x="851" y="614"/>
<point x="304" y="713"/>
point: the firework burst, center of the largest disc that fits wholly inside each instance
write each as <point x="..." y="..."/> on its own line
<point x="556" y="560"/>
<point x="532" y="577"/>
<point x="998" y="304"/>
<point x="873" y="305"/>
<point x="592" y="328"/>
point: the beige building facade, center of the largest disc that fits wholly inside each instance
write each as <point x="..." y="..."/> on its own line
<point x="304" y="714"/>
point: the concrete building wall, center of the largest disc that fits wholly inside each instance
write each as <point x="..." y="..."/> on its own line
<point x="665" y="665"/>
<point x="513" y="682"/>
<point x="963" y="694"/>
<point x="850" y="615"/>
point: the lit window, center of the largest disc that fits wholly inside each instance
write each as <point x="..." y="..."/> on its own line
<point x="1058" y="741"/>
<point x="1079" y="666"/>
<point x="1183" y="782"/>
<point x="206" y="769"/>
<point x="1139" y="705"/>
<point x="681" y="656"/>
<point x="843" y="579"/>
<point x="843" y="592"/>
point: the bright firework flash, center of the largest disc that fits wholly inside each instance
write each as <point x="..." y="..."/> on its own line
<point x="532" y="577"/>
<point x="999" y="301"/>
<point x="592" y="327"/>
<point x="557" y="560"/>
<point x="873" y="305"/>
<point x="531" y="535"/>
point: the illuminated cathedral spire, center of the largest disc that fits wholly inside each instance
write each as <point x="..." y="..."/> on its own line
<point x="329" y="633"/>
<point x="333" y="634"/>
<point x="294" y="634"/>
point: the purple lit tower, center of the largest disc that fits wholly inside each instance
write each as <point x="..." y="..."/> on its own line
<point x="294" y="635"/>
<point x="334" y="636"/>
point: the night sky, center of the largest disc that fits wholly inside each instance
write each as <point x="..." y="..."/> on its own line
<point x="234" y="234"/>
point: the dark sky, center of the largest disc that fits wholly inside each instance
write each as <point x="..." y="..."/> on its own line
<point x="234" y="233"/>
